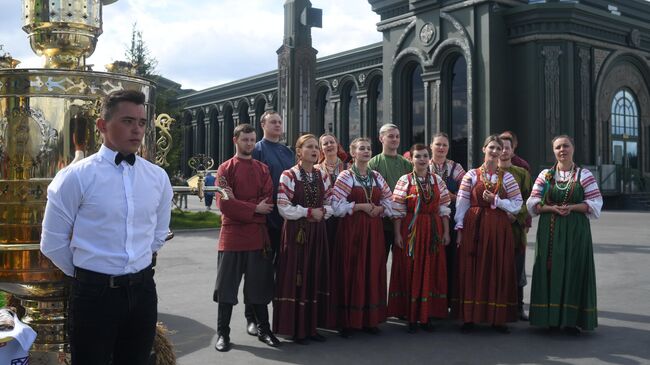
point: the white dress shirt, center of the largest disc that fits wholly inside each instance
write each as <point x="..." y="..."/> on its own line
<point x="104" y="217"/>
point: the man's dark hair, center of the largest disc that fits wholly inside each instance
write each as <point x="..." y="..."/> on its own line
<point x="111" y="100"/>
<point x="243" y="128"/>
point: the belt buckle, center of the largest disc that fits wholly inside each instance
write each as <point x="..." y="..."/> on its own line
<point x="111" y="282"/>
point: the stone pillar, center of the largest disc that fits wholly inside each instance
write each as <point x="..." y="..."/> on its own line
<point x="362" y="100"/>
<point x="223" y="154"/>
<point x="432" y="123"/>
<point x="297" y="68"/>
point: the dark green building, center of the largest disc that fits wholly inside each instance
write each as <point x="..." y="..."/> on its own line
<point x="472" y="68"/>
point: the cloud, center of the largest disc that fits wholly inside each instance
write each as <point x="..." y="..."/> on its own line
<point x="202" y="43"/>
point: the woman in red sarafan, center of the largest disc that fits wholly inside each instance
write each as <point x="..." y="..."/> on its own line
<point x="302" y="287"/>
<point x="418" y="282"/>
<point x="486" y="286"/>
<point x="358" y="285"/>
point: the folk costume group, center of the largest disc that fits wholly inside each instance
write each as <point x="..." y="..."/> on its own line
<point x="458" y="239"/>
<point x="310" y="231"/>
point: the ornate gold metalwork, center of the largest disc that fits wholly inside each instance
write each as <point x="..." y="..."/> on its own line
<point x="164" y="141"/>
<point x="196" y="184"/>
<point x="121" y="67"/>
<point x="64" y="31"/>
<point x="6" y="61"/>
<point x="46" y="115"/>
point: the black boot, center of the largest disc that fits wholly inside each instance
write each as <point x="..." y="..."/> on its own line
<point x="264" y="333"/>
<point x="224" y="313"/>
<point x="520" y="304"/>
<point x="251" y="323"/>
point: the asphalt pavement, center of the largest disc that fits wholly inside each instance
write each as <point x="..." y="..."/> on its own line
<point x="186" y="274"/>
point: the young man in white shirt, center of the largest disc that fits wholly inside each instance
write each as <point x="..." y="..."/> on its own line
<point x="105" y="217"/>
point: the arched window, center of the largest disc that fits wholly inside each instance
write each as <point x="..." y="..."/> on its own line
<point x="214" y="135"/>
<point x="324" y="110"/>
<point x="625" y="114"/>
<point x="354" y="116"/>
<point x="375" y="111"/>
<point x="200" y="133"/>
<point x="458" y="128"/>
<point x="328" y="113"/>
<point x="416" y="98"/>
<point x="260" y="107"/>
<point x="243" y="113"/>
<point x="625" y="137"/>
<point x="228" y="128"/>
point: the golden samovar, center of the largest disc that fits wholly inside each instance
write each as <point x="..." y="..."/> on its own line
<point x="47" y="117"/>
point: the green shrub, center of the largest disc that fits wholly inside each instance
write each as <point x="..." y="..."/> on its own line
<point x="194" y="220"/>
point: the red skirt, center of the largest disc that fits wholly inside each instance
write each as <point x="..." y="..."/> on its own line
<point x="301" y="300"/>
<point x="486" y="286"/>
<point x="418" y="284"/>
<point x="358" y="291"/>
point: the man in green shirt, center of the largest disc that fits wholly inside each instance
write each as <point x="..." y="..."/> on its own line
<point x="391" y="166"/>
<point x="518" y="221"/>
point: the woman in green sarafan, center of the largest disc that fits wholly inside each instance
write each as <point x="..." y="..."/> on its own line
<point x="563" y="292"/>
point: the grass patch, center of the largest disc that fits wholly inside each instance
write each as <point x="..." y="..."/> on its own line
<point x="194" y="220"/>
<point x="3" y="300"/>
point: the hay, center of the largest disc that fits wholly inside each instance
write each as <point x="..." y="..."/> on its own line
<point x="162" y="347"/>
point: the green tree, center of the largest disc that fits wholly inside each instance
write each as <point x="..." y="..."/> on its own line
<point x="140" y="57"/>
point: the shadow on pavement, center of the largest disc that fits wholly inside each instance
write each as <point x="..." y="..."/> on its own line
<point x="187" y="335"/>
<point x="609" y="248"/>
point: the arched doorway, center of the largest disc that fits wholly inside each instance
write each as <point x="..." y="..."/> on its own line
<point x="623" y="125"/>
<point x="409" y="97"/>
<point x="228" y="128"/>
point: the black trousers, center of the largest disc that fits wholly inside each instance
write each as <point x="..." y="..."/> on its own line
<point x="257" y="270"/>
<point x="115" y="324"/>
<point x="275" y="235"/>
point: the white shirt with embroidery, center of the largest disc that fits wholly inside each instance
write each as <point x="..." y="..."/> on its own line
<point x="456" y="173"/>
<point x="592" y="198"/>
<point x="343" y="187"/>
<point x="400" y="195"/>
<point x="286" y="190"/>
<point x="511" y="204"/>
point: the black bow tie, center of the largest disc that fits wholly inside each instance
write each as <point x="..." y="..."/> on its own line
<point x="130" y="158"/>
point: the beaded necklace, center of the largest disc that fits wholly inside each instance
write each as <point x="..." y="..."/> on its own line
<point x="311" y="187"/>
<point x="366" y="182"/>
<point x="424" y="195"/>
<point x="333" y="170"/>
<point x="488" y="182"/>
<point x="569" y="184"/>
<point x="425" y="191"/>
<point x="565" y="184"/>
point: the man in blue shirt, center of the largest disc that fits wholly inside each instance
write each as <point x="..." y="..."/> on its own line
<point x="278" y="158"/>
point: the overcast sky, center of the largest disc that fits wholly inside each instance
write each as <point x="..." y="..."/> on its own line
<point x="203" y="43"/>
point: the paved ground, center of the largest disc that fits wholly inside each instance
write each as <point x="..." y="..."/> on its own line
<point x="187" y="269"/>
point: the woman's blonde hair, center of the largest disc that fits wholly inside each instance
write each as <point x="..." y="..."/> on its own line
<point x="302" y="140"/>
